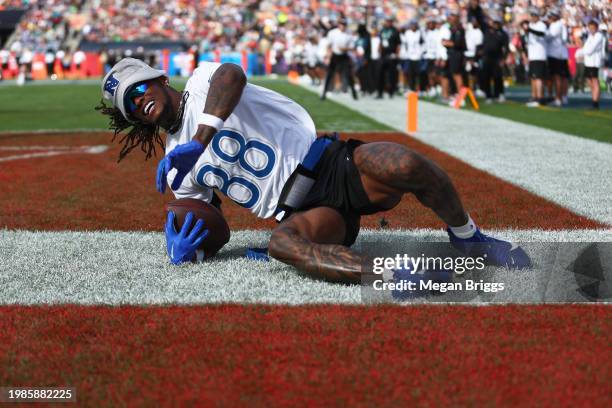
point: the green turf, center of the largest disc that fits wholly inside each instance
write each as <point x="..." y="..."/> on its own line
<point x="71" y="106"/>
<point x="595" y="125"/>
<point x="49" y="107"/>
<point x="585" y="123"/>
<point x="327" y="116"/>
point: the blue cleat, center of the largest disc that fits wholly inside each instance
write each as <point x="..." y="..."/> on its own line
<point x="257" y="254"/>
<point x="495" y="251"/>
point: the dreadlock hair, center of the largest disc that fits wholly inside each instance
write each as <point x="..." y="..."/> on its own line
<point x="145" y="136"/>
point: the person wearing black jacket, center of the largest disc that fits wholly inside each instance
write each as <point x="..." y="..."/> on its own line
<point x="389" y="48"/>
<point x="364" y="59"/>
<point x="494" y="50"/>
<point x="475" y="12"/>
<point x="456" y="48"/>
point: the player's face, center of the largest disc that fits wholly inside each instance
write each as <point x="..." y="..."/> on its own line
<point x="148" y="101"/>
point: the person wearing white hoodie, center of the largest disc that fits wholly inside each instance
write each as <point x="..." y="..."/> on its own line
<point x="592" y="52"/>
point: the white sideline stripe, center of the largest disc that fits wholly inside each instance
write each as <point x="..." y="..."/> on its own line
<point x="568" y="170"/>
<point x="57" y="151"/>
<point x="49" y="148"/>
<point x="52" y="130"/>
<point x="117" y="268"/>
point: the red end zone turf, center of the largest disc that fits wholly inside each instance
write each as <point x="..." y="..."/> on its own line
<point x="93" y="192"/>
<point x="313" y="355"/>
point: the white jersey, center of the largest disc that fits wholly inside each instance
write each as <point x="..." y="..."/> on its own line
<point x="473" y="39"/>
<point x="339" y="41"/>
<point x="593" y="50"/>
<point x="536" y="44"/>
<point x="311" y="56"/>
<point x="412" y="41"/>
<point x="444" y="34"/>
<point x="431" y="44"/>
<point x="556" y="39"/>
<point x="252" y="156"/>
<point x="375" y="45"/>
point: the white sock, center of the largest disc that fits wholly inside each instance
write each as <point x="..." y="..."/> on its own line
<point x="465" y="231"/>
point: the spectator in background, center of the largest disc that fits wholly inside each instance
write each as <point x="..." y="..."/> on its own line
<point x="4" y="61"/>
<point x="50" y="63"/>
<point x="455" y="46"/>
<point x="25" y="62"/>
<point x="536" y="52"/>
<point x="311" y="58"/>
<point x="376" y="62"/>
<point x="389" y="49"/>
<point x="340" y="43"/>
<point x="66" y="60"/>
<point x="403" y="58"/>
<point x="414" y="41"/>
<point x="363" y="48"/>
<point x="475" y="13"/>
<point x="494" y="50"/>
<point x="578" y="80"/>
<point x="442" y="71"/>
<point x="556" y="51"/>
<point x="431" y="46"/>
<point x="78" y="58"/>
<point x="593" y="54"/>
<point x="473" y="42"/>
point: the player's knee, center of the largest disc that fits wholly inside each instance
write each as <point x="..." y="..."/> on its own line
<point x="423" y="172"/>
<point x="415" y="166"/>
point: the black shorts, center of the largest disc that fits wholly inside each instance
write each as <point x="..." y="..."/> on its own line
<point x="431" y="65"/>
<point x="591" y="72"/>
<point x="338" y="186"/>
<point x="537" y="69"/>
<point x="442" y="70"/>
<point x="456" y="64"/>
<point x="558" y="67"/>
<point x="565" y="72"/>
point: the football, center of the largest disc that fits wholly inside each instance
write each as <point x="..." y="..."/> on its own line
<point x="218" y="230"/>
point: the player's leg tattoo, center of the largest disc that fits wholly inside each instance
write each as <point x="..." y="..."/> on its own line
<point x="311" y="242"/>
<point x="390" y="170"/>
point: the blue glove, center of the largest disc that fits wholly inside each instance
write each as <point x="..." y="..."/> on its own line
<point x="182" y="158"/>
<point x="182" y="245"/>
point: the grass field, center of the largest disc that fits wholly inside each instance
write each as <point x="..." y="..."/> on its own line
<point x="57" y="106"/>
<point x="596" y="125"/>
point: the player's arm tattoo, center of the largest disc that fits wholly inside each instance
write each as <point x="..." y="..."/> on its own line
<point x="226" y="86"/>
<point x="335" y="263"/>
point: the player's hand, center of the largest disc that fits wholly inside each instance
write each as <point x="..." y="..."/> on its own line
<point x="182" y="158"/>
<point x="182" y="245"/>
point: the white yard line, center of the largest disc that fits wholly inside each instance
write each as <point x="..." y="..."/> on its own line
<point x="568" y="170"/>
<point x="50" y="151"/>
<point x="115" y="268"/>
<point x="43" y="131"/>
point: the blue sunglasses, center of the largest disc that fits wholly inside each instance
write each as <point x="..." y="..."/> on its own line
<point x="134" y="92"/>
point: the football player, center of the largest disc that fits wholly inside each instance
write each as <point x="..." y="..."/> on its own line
<point x="261" y="150"/>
